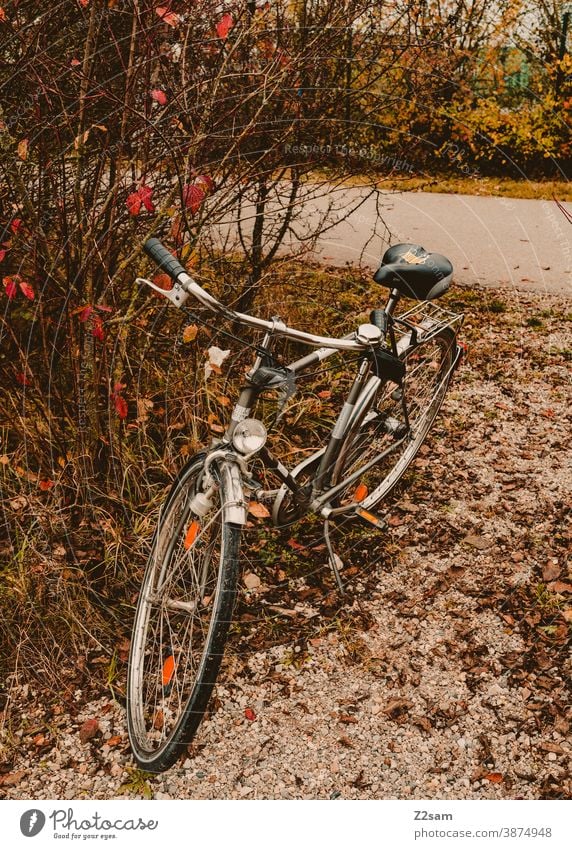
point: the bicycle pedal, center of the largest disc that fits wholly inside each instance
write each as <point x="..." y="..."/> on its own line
<point x="371" y="518"/>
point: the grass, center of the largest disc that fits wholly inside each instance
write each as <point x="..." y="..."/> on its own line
<point x="481" y="186"/>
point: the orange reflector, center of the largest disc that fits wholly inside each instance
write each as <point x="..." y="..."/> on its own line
<point x="361" y="492"/>
<point x="168" y="669"/>
<point x="192" y="534"/>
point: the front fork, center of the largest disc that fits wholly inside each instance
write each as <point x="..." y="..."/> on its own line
<point x="231" y="468"/>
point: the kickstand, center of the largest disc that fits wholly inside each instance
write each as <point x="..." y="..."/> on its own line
<point x="335" y="560"/>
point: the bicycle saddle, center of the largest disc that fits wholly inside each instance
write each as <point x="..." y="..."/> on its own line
<point x="414" y="272"/>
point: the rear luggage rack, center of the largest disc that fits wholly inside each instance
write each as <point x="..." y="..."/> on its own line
<point x="427" y="317"/>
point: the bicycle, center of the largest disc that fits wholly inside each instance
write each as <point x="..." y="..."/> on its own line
<point x="186" y="601"/>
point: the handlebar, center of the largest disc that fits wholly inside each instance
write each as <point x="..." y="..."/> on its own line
<point x="184" y="285"/>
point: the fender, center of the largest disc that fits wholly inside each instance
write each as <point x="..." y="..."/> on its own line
<point x="235" y="509"/>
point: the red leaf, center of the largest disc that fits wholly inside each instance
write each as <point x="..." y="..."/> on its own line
<point x="45" y="485"/>
<point x="158" y="96"/>
<point x="193" y="197"/>
<point x="495" y="777"/>
<point x="103" y="308"/>
<point x="224" y="26"/>
<point x="85" y="313"/>
<point x="22" y="379"/>
<point x="97" y="328"/>
<point x="3" y="252"/>
<point x="163" y="281"/>
<point x="205" y="180"/>
<point x="15" y="225"/>
<point x="168" y="17"/>
<point x="120" y="405"/>
<point x="134" y="203"/>
<point x="249" y="714"/>
<point x="10" y="287"/>
<point x="88" y="730"/>
<point x="74" y="63"/>
<point x="27" y="290"/>
<point x="141" y="197"/>
<point x="2" y="14"/>
<point x="145" y="193"/>
<point x="84" y="3"/>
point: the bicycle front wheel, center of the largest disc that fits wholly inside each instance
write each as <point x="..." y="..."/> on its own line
<point x="429" y="366"/>
<point x="181" y="622"/>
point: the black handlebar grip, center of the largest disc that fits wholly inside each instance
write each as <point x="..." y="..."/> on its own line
<point x="379" y="319"/>
<point x="163" y="258"/>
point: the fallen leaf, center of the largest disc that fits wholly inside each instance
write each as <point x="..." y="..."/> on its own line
<point x="297" y="546"/>
<point x="12" y="778"/>
<point x="251" y="581"/>
<point x="249" y="714"/>
<point x="23" y="149"/>
<point x="478" y="542"/>
<point x="559" y="587"/>
<point x="345" y="741"/>
<point x="255" y="508"/>
<point x="567" y="614"/>
<point x="422" y="722"/>
<point x="552" y="747"/>
<point x="88" y="730"/>
<point x="550" y="571"/>
<point x="114" y="741"/>
<point x="158" y="720"/>
<point x="45" y="485"/>
<point x="348" y="719"/>
<point x="495" y="777"/>
<point x="190" y="333"/>
<point x="397" y="706"/>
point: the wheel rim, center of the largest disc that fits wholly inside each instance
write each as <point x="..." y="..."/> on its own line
<point x="174" y="622"/>
<point x="425" y="384"/>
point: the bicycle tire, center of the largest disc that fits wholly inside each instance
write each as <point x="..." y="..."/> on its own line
<point x="368" y="434"/>
<point x="176" y="652"/>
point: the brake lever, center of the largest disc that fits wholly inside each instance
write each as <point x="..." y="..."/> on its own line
<point x="177" y="295"/>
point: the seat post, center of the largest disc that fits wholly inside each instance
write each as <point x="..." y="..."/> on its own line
<point x="392" y="301"/>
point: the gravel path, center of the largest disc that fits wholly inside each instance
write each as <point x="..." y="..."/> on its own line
<point x="444" y="673"/>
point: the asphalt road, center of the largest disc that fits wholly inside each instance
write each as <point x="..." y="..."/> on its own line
<point x="497" y="242"/>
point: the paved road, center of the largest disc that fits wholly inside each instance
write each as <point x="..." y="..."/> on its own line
<point x="497" y="242"/>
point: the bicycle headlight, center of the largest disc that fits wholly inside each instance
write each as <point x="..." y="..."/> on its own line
<point x="249" y="436"/>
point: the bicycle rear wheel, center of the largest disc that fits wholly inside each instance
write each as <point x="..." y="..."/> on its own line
<point x="429" y="367"/>
<point x="181" y="622"/>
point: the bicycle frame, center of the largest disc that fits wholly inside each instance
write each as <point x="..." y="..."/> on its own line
<point x="360" y="396"/>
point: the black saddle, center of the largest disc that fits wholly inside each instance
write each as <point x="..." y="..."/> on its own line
<point x="414" y="272"/>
